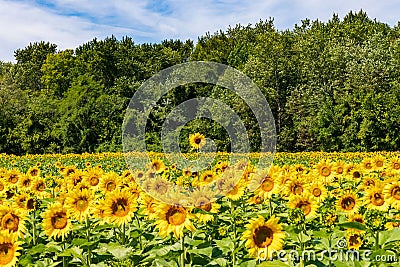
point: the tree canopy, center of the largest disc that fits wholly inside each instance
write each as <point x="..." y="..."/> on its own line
<point x="331" y="86"/>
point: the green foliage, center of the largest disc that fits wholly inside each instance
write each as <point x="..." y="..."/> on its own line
<point x="331" y="86"/>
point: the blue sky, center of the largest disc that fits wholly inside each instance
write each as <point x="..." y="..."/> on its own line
<point x="69" y="23"/>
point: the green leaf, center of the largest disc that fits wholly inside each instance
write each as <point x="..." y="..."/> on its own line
<point x="219" y="262"/>
<point x="389" y="236"/>
<point x="202" y="251"/>
<point x="38" y="249"/>
<point x="118" y="251"/>
<point x="225" y="244"/>
<point x="353" y="225"/>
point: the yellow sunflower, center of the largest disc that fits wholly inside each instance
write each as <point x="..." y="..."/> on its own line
<point x="119" y="207"/>
<point x="157" y="166"/>
<point x="13" y="218"/>
<point x="80" y="204"/>
<point x="267" y="183"/>
<point x="395" y="164"/>
<point x="318" y="191"/>
<point x="392" y="194"/>
<point x="13" y="176"/>
<point x="338" y="167"/>
<point x="354" y="239"/>
<point x="9" y="246"/>
<point x="205" y="178"/>
<point x="379" y="162"/>
<point x="348" y="202"/>
<point x="160" y="186"/>
<point x="56" y="222"/>
<point x="109" y="182"/>
<point x="204" y="200"/>
<point x="39" y="187"/>
<point x="148" y="206"/>
<point x="235" y="190"/>
<point x="25" y="182"/>
<point x="305" y="202"/>
<point x="3" y="186"/>
<point x="67" y="171"/>
<point x="367" y="164"/>
<point x="33" y="171"/>
<point x="75" y="178"/>
<point x="173" y="219"/>
<point x="296" y="185"/>
<point x="324" y="169"/>
<point x="98" y="211"/>
<point x="356" y="217"/>
<point x="197" y="140"/>
<point x="92" y="177"/>
<point x="263" y="238"/>
<point x="375" y="199"/>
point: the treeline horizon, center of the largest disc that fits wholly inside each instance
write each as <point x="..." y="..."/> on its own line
<point x="331" y="86"/>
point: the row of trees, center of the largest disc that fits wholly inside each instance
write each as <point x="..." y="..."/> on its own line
<point x="330" y="85"/>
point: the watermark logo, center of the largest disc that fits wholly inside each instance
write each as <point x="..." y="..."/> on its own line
<point x="152" y="91"/>
<point x="340" y="253"/>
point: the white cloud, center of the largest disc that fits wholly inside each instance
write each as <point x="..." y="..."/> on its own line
<point x="69" y="23"/>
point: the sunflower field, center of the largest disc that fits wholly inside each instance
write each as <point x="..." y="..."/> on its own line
<point x="311" y="209"/>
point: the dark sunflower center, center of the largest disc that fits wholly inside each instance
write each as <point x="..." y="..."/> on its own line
<point x="26" y="183"/>
<point x="297" y="189"/>
<point x="40" y="186"/>
<point x="34" y="172"/>
<point x="339" y="170"/>
<point x="10" y="221"/>
<point x="94" y="180"/>
<point x="13" y="178"/>
<point x="325" y="171"/>
<point x="305" y="206"/>
<point x="378" y="199"/>
<point x="110" y="186"/>
<point x="6" y="253"/>
<point x="161" y="187"/>
<point x="317" y="192"/>
<point x="59" y="220"/>
<point x="396" y="165"/>
<point x="368" y="165"/>
<point x="267" y="185"/>
<point x="263" y="236"/>
<point x="379" y="163"/>
<point x="348" y="203"/>
<point x="82" y="204"/>
<point x="370" y="183"/>
<point x="176" y="215"/>
<point x="205" y="204"/>
<point x="30" y="204"/>
<point x="396" y="192"/>
<point x="356" y="174"/>
<point x="197" y="141"/>
<point x="120" y="207"/>
<point x="354" y="240"/>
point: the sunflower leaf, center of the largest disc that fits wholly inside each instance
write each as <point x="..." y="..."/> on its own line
<point x="353" y="225"/>
<point x="388" y="236"/>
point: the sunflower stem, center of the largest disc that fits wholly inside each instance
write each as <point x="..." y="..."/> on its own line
<point x="34" y="228"/>
<point x="330" y="248"/>
<point x="183" y="250"/>
<point x="377" y="247"/>
<point x="64" y="258"/>
<point x="140" y="235"/>
<point x="89" y="257"/>
<point x="234" y="233"/>
<point x="270" y="207"/>
<point x="123" y="234"/>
